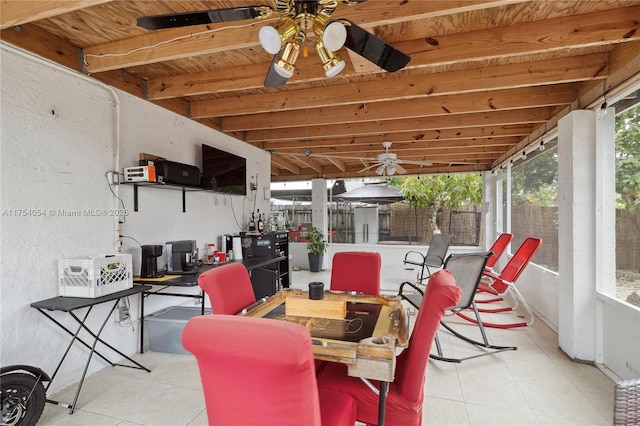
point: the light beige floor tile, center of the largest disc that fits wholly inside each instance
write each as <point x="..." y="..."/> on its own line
<point x="444" y="385"/>
<point x="200" y="420"/>
<point x="123" y="396"/>
<point x="484" y="415"/>
<point x="561" y="403"/>
<point x="177" y="406"/>
<point x="497" y="393"/>
<point x="438" y="411"/>
<point x="54" y="415"/>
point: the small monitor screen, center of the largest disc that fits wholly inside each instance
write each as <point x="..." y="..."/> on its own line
<point x="227" y="172"/>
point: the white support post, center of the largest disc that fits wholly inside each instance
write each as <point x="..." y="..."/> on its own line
<point x="577" y="234"/>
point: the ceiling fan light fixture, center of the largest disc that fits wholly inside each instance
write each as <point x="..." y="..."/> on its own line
<point x="285" y="66"/>
<point x="331" y="62"/>
<point x="391" y="170"/>
<point x="273" y="37"/>
<point x="334" y="36"/>
<point x="380" y="169"/>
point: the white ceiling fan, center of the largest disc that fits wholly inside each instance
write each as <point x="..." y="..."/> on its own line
<point x="388" y="163"/>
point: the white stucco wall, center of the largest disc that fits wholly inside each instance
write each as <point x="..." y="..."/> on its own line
<point x="58" y="138"/>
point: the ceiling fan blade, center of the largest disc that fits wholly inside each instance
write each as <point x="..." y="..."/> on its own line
<point x="374" y="49"/>
<point x="273" y="79"/>
<point x="369" y="167"/>
<point x="417" y="163"/>
<point x="399" y="169"/>
<point x="173" y="20"/>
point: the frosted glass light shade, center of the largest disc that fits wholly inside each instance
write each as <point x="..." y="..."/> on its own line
<point x="272" y="38"/>
<point x="334" y="69"/>
<point x="334" y="36"/>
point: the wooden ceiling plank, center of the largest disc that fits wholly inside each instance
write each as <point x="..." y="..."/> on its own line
<point x="338" y="163"/>
<point x="360" y="150"/>
<point x="535" y="115"/>
<point x="404" y="151"/>
<point x="377" y="13"/>
<point x="589" y="29"/>
<point x="564" y="70"/>
<point x="19" y="12"/>
<point x="307" y="162"/>
<point x="463" y="135"/>
<point x="503" y="99"/>
<point x="40" y="42"/>
<point x="170" y="44"/>
<point x="283" y="163"/>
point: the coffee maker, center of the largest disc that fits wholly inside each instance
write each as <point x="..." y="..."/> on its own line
<point x="182" y="257"/>
<point x="152" y="263"/>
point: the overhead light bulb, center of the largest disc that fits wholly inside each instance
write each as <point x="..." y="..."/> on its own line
<point x="331" y="62"/>
<point x="273" y="37"/>
<point x="332" y="33"/>
<point x="380" y="170"/>
<point x="334" y="36"/>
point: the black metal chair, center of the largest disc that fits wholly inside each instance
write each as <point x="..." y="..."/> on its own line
<point x="467" y="270"/>
<point x="436" y="254"/>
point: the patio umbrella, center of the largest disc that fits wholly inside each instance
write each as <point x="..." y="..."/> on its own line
<point x="372" y="193"/>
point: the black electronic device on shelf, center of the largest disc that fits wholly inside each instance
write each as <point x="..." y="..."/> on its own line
<point x="177" y="173"/>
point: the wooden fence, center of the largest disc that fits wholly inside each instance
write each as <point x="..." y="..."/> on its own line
<point x="401" y="223"/>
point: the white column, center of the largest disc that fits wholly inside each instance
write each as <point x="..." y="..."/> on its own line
<point x="490" y="208"/>
<point x="577" y="234"/>
<point x="605" y="193"/>
<point x="319" y="209"/>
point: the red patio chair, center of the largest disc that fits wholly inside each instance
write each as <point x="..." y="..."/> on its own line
<point x="503" y="284"/>
<point x="498" y="248"/>
<point x="406" y="393"/>
<point x="257" y="371"/>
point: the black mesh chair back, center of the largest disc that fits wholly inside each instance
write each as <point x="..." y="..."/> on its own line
<point x="467" y="269"/>
<point x="435" y="257"/>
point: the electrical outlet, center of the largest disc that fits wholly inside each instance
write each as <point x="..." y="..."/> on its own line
<point x="114" y="177"/>
<point x="123" y="314"/>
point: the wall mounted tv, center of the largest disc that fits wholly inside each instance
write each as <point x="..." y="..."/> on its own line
<point x="226" y="172"/>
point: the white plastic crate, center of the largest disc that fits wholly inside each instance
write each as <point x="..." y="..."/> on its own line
<point x="95" y="276"/>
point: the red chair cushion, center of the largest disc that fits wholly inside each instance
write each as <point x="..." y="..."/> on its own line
<point x="356" y="271"/>
<point x="228" y="287"/>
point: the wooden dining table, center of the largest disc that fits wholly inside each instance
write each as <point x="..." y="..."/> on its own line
<point x="360" y="331"/>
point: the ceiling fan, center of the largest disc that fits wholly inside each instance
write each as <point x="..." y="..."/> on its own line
<point x="287" y="37"/>
<point x="388" y="163"/>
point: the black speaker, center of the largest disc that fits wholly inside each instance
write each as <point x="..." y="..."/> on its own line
<point x="178" y="173"/>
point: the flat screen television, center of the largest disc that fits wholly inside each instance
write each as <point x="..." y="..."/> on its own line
<point x="227" y="172"/>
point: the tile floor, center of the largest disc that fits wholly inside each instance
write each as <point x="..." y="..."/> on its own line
<point x="535" y="385"/>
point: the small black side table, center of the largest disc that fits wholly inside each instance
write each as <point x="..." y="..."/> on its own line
<point x="69" y="305"/>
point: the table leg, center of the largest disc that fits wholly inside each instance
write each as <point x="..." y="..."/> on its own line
<point x="382" y="403"/>
<point x="93" y="349"/>
<point x="142" y="296"/>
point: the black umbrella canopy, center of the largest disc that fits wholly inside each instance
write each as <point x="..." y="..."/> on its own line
<point x="373" y="193"/>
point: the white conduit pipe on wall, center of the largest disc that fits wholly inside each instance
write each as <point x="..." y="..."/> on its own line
<point x="115" y="102"/>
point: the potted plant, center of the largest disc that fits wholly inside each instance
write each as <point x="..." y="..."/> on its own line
<point x="316" y="246"/>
